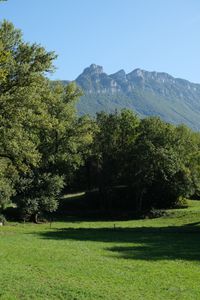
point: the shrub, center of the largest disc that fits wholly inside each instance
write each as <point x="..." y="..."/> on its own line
<point x="2" y="219"/>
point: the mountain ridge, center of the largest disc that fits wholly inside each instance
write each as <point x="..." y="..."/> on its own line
<point x="175" y="100"/>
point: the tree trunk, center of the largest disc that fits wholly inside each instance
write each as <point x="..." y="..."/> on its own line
<point x="140" y="200"/>
<point x="34" y="218"/>
<point x="89" y="171"/>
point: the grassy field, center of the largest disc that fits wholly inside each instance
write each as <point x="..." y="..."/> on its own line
<point x="143" y="259"/>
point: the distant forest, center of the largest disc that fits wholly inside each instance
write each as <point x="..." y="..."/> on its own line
<point x="47" y="149"/>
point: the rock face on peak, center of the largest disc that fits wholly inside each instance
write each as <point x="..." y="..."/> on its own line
<point x="147" y="93"/>
<point x="94" y="81"/>
<point x="119" y="76"/>
<point x="92" y="70"/>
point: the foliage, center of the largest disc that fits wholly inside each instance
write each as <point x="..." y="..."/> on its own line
<point x="40" y="134"/>
<point x="114" y="135"/>
<point x="2" y="219"/>
<point x="156" y="161"/>
<point x="38" y="193"/>
<point x="22" y="109"/>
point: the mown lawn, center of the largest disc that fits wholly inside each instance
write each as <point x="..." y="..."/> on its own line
<point x="145" y="259"/>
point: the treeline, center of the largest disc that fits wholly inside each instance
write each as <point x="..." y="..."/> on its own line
<point x="46" y="148"/>
<point x="147" y="163"/>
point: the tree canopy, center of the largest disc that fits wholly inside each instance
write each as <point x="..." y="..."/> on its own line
<point x="39" y="129"/>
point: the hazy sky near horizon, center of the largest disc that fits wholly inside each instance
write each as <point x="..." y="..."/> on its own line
<point x="155" y="35"/>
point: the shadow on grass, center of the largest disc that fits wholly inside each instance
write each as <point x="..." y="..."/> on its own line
<point x="146" y="243"/>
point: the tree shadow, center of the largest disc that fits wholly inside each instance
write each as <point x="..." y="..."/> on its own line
<point x="146" y="243"/>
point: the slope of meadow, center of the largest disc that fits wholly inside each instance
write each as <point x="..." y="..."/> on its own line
<point x="136" y="259"/>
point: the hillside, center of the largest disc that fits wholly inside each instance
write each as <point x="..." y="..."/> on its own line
<point x="147" y="93"/>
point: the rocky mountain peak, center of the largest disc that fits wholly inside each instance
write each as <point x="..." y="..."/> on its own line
<point x="136" y="74"/>
<point x="119" y="76"/>
<point x="93" y="69"/>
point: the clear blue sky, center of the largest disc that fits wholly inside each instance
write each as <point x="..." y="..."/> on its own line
<point x="160" y="35"/>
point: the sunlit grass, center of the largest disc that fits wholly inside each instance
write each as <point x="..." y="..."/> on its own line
<point x="140" y="259"/>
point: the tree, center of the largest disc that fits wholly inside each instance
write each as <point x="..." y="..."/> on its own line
<point x="114" y="136"/>
<point x="161" y="165"/>
<point x="62" y="148"/>
<point x="21" y="107"/>
<point x="40" y="133"/>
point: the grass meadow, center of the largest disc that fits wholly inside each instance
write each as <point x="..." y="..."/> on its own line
<point x="135" y="259"/>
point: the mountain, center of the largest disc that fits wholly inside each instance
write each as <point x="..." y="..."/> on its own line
<point x="147" y="93"/>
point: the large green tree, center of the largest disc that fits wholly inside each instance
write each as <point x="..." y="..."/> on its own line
<point x="162" y="164"/>
<point x="21" y="107"/>
<point x="111" y="148"/>
<point x="40" y="133"/>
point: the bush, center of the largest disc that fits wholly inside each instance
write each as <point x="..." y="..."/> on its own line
<point x="181" y="203"/>
<point x="155" y="213"/>
<point x="2" y="219"/>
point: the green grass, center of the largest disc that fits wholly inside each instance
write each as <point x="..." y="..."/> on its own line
<point x="140" y="259"/>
